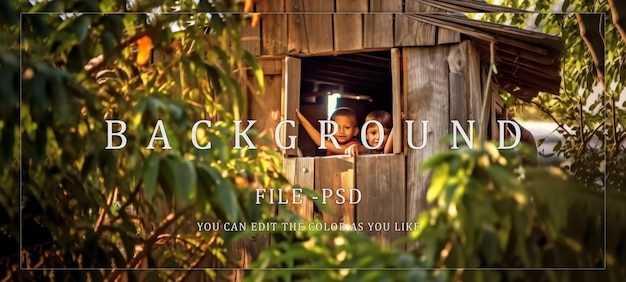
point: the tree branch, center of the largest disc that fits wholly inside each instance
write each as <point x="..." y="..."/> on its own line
<point x="591" y="28"/>
<point x="547" y="112"/>
<point x="618" y="13"/>
<point x="154" y="236"/>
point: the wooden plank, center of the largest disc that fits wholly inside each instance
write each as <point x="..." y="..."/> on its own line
<point x="300" y="172"/>
<point x="251" y="37"/>
<point x="473" y="85"/>
<point x="291" y="100"/>
<point x="495" y="131"/>
<point x="446" y="36"/>
<point x="427" y="90"/>
<point x="396" y="103"/>
<point x="266" y="107"/>
<point x="443" y="36"/>
<point x="335" y="173"/>
<point x="348" y="26"/>
<point x="378" y="23"/>
<point x="310" y="26"/>
<point x="241" y="254"/>
<point x="457" y="63"/>
<point x="381" y="180"/>
<point x="273" y="27"/>
<point x="409" y="32"/>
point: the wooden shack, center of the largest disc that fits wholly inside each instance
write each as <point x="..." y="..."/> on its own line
<point x="423" y="58"/>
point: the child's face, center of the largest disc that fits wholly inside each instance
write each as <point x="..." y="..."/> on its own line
<point x="347" y="130"/>
<point x="372" y="136"/>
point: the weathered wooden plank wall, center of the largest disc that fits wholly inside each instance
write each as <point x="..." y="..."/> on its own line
<point x="409" y="32"/>
<point x="266" y="107"/>
<point x="426" y="76"/>
<point x="348" y="24"/>
<point x="301" y="173"/>
<point x="397" y="100"/>
<point x="325" y="26"/>
<point x="273" y="27"/>
<point x="291" y="98"/>
<point x="334" y="173"/>
<point x="474" y="94"/>
<point x="251" y="36"/>
<point x="379" y="23"/>
<point x="310" y="26"/>
<point x="381" y="180"/>
<point x="457" y="64"/>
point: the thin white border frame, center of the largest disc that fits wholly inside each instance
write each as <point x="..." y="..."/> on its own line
<point x="305" y="269"/>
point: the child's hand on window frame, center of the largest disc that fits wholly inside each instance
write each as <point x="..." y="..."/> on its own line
<point x="352" y="150"/>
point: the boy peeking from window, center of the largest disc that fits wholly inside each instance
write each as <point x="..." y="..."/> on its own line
<point x="344" y="141"/>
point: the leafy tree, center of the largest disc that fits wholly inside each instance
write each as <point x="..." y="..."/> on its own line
<point x="82" y="206"/>
<point x="592" y="125"/>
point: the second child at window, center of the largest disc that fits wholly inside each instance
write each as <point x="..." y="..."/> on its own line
<point x="372" y="134"/>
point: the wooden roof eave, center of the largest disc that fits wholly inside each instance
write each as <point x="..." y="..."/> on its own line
<point x="469" y="6"/>
<point x="517" y="34"/>
<point x="525" y="61"/>
<point x="429" y="19"/>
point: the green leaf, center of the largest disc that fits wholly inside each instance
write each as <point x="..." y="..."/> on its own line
<point x="81" y="27"/>
<point x="59" y="96"/>
<point x="9" y="15"/>
<point x="108" y="44"/>
<point x="502" y="177"/>
<point x="36" y="87"/>
<point x="226" y="198"/>
<point x="150" y="176"/>
<point x="8" y="141"/>
<point x="166" y="176"/>
<point x="436" y="159"/>
<point x="41" y="140"/>
<point x="489" y="246"/>
<point x="115" y="25"/>
<point x="438" y="182"/>
<point x="186" y="179"/>
<point x="256" y="69"/>
<point x="8" y="93"/>
<point x="75" y="63"/>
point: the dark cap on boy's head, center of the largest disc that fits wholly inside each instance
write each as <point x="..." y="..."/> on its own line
<point x="346" y="112"/>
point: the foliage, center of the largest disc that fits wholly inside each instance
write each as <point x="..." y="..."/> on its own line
<point x="492" y="210"/>
<point x="86" y="207"/>
<point x="592" y="125"/>
<point x="312" y="255"/>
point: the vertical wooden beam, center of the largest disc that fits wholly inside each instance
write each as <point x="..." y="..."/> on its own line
<point x="379" y="23"/>
<point x="335" y="173"/>
<point x="396" y="103"/>
<point x="310" y="26"/>
<point x="446" y="36"/>
<point x="291" y="100"/>
<point x="266" y="107"/>
<point x="300" y="172"/>
<point x="426" y="75"/>
<point x="410" y="32"/>
<point x="473" y="85"/>
<point x="494" y="111"/>
<point x="457" y="63"/>
<point x="273" y="26"/>
<point x="348" y="24"/>
<point x="251" y="37"/>
<point x="381" y="180"/>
